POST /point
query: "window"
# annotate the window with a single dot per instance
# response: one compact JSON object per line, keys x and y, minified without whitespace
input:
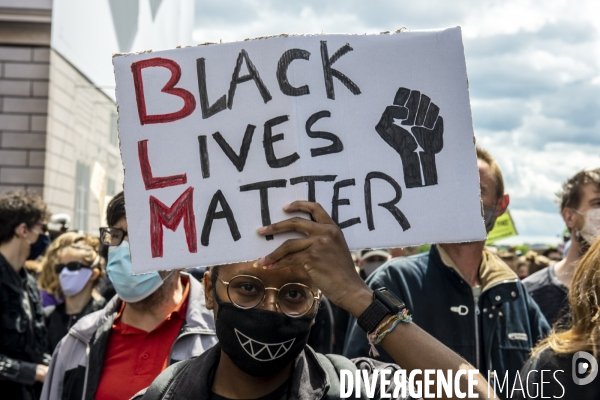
{"x":114,"y":133}
{"x":111,"y":187}
{"x":82,"y":196}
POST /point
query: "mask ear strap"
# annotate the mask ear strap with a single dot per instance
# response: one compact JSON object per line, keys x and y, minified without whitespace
{"x":577,"y":212}
{"x":168,"y":275}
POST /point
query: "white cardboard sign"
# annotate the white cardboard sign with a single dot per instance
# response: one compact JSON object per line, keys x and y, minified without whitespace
{"x":216,"y":139}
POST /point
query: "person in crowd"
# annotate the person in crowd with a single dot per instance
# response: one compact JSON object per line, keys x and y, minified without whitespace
{"x":570,"y":353}
{"x":580,"y":209}
{"x":510,"y":259}
{"x":370,"y":260}
{"x":73,"y":275}
{"x":522,"y":268}
{"x":553,"y":254}
{"x":535,"y":262}
{"x":23,"y":334}
{"x":404,"y":251}
{"x":48,"y":280}
{"x":465,"y":296}
{"x":264,"y":311}
{"x":155,"y":320}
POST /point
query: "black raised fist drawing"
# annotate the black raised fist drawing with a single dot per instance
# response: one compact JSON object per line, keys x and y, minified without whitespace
{"x":427,"y":127}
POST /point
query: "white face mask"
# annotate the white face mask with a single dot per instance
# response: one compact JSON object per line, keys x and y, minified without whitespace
{"x":591,"y":225}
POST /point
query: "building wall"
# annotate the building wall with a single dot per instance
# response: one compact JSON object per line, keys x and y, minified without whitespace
{"x":24,"y":74}
{"x":80,"y":121}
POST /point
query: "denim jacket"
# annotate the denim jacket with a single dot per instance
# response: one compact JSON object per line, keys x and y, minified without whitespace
{"x":494,"y":332}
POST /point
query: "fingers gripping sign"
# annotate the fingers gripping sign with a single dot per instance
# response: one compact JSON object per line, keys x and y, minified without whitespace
{"x":324,"y":253}
{"x":417,"y":150}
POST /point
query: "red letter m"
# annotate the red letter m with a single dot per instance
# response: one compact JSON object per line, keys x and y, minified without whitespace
{"x":161,"y":215}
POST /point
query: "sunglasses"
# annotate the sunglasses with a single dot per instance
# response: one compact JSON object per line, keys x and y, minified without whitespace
{"x":72,"y":266}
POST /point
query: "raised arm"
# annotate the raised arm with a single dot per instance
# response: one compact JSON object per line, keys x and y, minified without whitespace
{"x":324,"y":254}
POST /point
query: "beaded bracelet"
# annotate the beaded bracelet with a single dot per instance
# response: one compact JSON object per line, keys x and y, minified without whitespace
{"x":376,"y":337}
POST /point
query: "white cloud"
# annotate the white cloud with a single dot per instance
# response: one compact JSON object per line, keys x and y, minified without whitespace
{"x":534,"y":71}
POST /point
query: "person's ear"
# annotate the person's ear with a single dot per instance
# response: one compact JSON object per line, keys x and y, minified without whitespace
{"x":95,"y":274}
{"x":502,"y":205}
{"x":569,"y":216}
{"x":208,"y":291}
{"x":21,"y":230}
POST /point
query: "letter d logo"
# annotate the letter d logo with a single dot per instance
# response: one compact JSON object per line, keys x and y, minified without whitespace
{"x":580,"y":368}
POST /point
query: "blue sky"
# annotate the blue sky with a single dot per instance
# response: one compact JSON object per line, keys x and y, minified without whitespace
{"x":533,"y":66}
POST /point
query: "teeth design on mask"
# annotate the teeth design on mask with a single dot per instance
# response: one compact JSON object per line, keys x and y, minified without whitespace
{"x":263,"y":351}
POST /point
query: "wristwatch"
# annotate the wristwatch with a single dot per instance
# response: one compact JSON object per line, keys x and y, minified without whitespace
{"x":384,"y":303}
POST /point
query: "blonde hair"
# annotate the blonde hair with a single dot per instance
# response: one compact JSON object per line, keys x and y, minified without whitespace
{"x":84,"y":244}
{"x":584,"y":293}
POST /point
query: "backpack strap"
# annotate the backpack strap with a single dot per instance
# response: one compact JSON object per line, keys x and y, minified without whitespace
{"x":332,"y":364}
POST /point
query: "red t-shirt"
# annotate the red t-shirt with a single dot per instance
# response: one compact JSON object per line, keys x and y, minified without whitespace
{"x":135,"y":357}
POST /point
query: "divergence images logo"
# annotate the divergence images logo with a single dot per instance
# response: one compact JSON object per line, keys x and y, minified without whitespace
{"x":581,"y":364}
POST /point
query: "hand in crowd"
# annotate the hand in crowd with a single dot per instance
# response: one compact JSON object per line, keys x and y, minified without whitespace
{"x":41,"y":371}
{"x":323,"y":254}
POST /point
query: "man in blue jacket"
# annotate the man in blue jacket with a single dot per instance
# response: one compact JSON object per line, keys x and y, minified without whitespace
{"x":465,"y":296}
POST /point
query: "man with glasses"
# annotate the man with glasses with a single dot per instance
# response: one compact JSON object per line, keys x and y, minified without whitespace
{"x":23,"y":334}
{"x":264,"y":311}
{"x":155,"y":320}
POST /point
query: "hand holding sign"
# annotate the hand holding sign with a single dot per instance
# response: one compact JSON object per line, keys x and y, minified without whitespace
{"x":324,"y":253}
{"x":427,"y":130}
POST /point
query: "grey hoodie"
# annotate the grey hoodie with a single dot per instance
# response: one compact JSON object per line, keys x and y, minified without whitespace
{"x":77,"y":361}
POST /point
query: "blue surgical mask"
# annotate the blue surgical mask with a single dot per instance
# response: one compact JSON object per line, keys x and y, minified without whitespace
{"x":41,"y":244}
{"x":131,"y":288}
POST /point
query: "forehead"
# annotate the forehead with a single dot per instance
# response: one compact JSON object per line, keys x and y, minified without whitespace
{"x":121,"y":224}
{"x":589,"y":192}
{"x":69,"y":255}
{"x":485,"y":171}
{"x":269,"y":277}
{"x":486,"y":178}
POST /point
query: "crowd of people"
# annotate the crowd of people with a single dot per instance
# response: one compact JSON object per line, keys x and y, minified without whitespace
{"x":80,"y":325}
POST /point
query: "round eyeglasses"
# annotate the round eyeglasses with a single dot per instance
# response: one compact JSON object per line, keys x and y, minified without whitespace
{"x":293,"y":299}
{"x":112,"y":236}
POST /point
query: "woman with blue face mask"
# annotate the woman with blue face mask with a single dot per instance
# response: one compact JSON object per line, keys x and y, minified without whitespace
{"x":78,"y":271}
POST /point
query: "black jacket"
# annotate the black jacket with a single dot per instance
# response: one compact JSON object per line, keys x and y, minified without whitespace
{"x":59,"y":323}
{"x":496,"y":332}
{"x":23,"y":334}
{"x":314,"y":377}
{"x":548,"y":374}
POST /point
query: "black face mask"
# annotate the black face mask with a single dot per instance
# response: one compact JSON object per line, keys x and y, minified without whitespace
{"x":260,"y":342}
{"x":37,"y":249}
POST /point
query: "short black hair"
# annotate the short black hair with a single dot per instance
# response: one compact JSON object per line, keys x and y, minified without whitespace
{"x":17,"y":207}
{"x":115,"y":209}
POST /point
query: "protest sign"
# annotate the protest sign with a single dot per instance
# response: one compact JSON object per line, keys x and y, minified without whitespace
{"x":504,"y":227}
{"x":216,"y":139}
